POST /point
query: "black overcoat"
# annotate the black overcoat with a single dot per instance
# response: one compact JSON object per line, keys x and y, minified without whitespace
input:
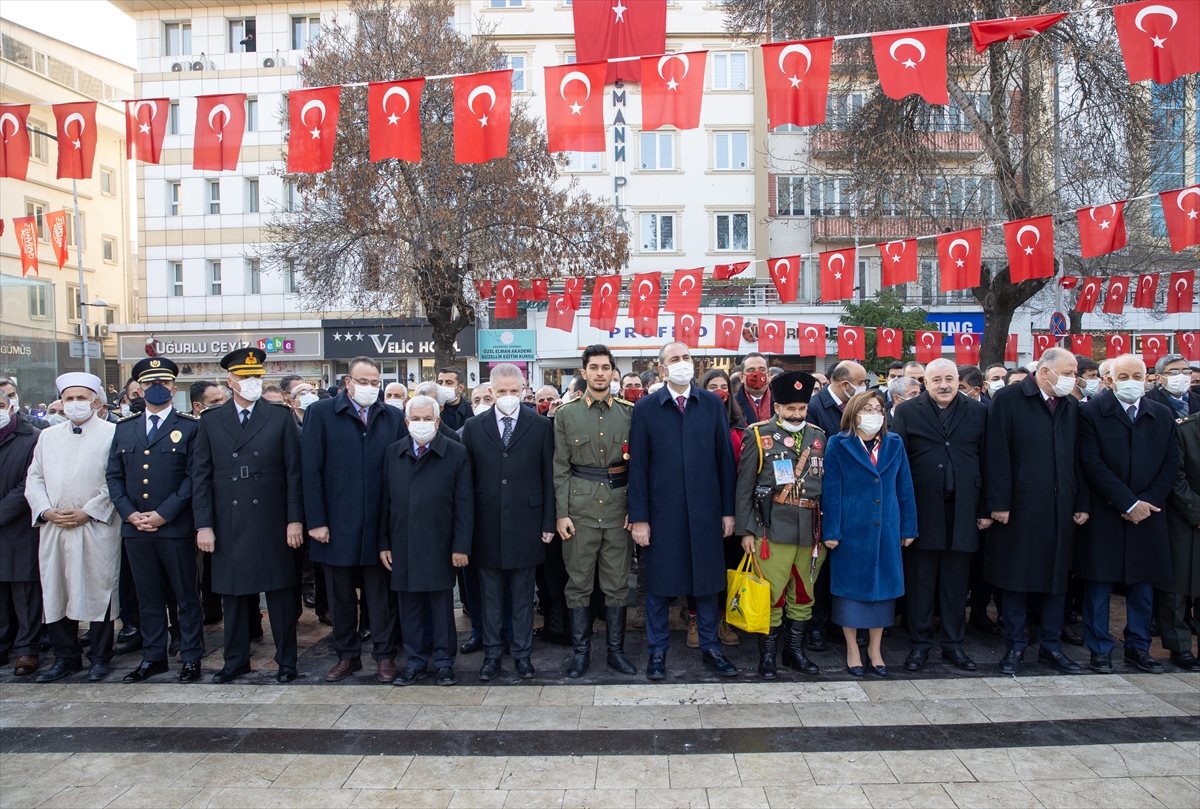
{"x":1160,"y":395}
{"x":18,"y":536}
{"x":156,"y":475}
{"x":1183,"y":514}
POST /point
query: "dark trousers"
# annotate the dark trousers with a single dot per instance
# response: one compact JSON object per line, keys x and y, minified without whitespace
{"x":1012,"y":609}
{"x":936,"y":577}
{"x":440,"y":606}
{"x":658,"y":613}
{"x":822,"y":601}
{"x":982,"y":591}
{"x":1139,"y":606}
{"x":164,"y":570}
{"x":281,"y":610}
{"x":1172,"y":619}
{"x":520,"y":584}
{"x":64,"y":634}
{"x":341,"y":582}
{"x":131,"y":611}
{"x":208,"y":599}
{"x":21,"y":617}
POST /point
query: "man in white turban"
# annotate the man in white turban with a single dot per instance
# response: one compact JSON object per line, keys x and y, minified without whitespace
{"x":80,"y":549}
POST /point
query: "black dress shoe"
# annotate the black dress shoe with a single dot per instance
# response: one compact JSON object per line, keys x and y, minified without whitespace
{"x":916,"y":659}
{"x":127,"y":633}
{"x":471,"y":645}
{"x":134,"y":644}
{"x":816,"y":640}
{"x":61,"y":668}
{"x":1101,"y":663}
{"x":147,"y":670}
{"x":656,"y":666}
{"x":229,"y":675}
{"x":1155,"y":629}
{"x":1059,"y":661}
{"x":984,"y":624}
{"x":490,"y":668}
{"x":958,"y":658}
{"x":190,"y":672}
{"x":719,"y":664}
{"x":98,"y":671}
{"x":286,"y":674}
{"x":1072,"y":637}
{"x":173,"y":647}
{"x":310,"y":600}
{"x":1143,"y":660}
{"x":1011,"y":663}
{"x":1185,"y":660}
{"x":525,"y":668}
{"x":409,"y":676}
{"x":445,"y":676}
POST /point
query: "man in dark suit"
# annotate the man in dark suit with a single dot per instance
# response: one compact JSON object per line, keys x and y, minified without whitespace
{"x":512,"y":461}
{"x":455,"y":409}
{"x":943,"y":431}
{"x":1183,"y":530}
{"x":345,"y":441}
{"x":1035,"y":491}
{"x":248,"y":504}
{"x":1130,"y":454}
{"x":1174,"y":386}
{"x":150,"y":484}
{"x":20,"y":579}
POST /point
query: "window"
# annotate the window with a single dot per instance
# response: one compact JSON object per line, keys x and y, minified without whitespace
{"x":729,"y":71}
{"x":39,"y":301}
{"x":506,"y":3}
{"x":789,"y":196}
{"x":291,"y":199}
{"x":290,"y":283}
{"x":71,"y":242}
{"x":732,"y":231}
{"x":252,"y":195}
{"x":108,"y":182}
{"x":175,"y":278}
{"x":251,"y":114}
{"x":658,"y":232}
{"x":214,"y":196}
{"x":788,"y":129}
{"x":253,"y":276}
{"x":214,"y":278}
{"x":731,"y":151}
{"x":518,"y":65}
{"x":583,"y":161}
{"x":570,"y":59}
{"x":241,"y":36}
{"x":174,"y":192}
{"x":38,"y":211}
{"x":839,"y":109}
{"x":38,"y":149}
{"x":177,"y":39}
{"x":658,"y":151}
{"x":108,"y":246}
{"x":173,"y":118}
{"x":305,"y":32}
{"x":73,"y":305}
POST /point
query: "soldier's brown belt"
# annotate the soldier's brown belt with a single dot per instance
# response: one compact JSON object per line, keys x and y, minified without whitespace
{"x":783,"y":499}
{"x":614,"y":476}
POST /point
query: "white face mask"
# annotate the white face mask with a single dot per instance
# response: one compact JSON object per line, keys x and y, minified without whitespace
{"x":1130,"y":390}
{"x":78,"y":412}
{"x":614,"y":387}
{"x":792,"y":426}
{"x":124,"y":410}
{"x":481,"y":408}
{"x":365,"y":395}
{"x":681,"y":373}
{"x":1091,"y":387}
{"x":14,"y":402}
{"x":870,"y":423}
{"x":55,"y":418}
{"x":444,"y":395}
{"x":508,"y":404}
{"x":396,"y":403}
{"x":251,"y":388}
{"x":1063,"y":386}
{"x":1178,"y":385}
{"x":995,"y":385}
{"x":306,"y":399}
{"x":422,"y":431}
{"x":5,"y":417}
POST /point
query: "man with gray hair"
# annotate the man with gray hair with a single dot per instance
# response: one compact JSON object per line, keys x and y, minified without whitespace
{"x":901,"y":389}
{"x":1174,"y":383}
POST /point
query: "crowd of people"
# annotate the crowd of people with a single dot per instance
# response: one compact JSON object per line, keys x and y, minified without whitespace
{"x":926,"y":495}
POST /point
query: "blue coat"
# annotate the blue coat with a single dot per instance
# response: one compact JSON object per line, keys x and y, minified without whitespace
{"x":681,"y":480}
{"x":868,"y":509}
{"x":344,"y":476}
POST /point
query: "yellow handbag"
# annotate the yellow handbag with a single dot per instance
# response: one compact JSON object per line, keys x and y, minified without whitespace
{"x":749,"y":605}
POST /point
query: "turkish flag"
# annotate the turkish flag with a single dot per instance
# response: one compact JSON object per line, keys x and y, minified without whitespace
{"x":482,"y":110}
{"x":1010,"y":29}
{"x":771,"y":334}
{"x":1179,"y":293}
{"x":484,"y":288}
{"x":560,"y":314}
{"x":1088,"y":294}
{"x":837,"y":275}
{"x":723,"y":272}
{"x":1101,"y":229}
{"x":928,"y":345}
{"x":1153,"y":347}
{"x":1040,"y":343}
{"x":145,"y":127}
{"x":912,"y":61}
{"x":1158,"y":39}
{"x":75,"y":126}
{"x":524,"y":294}
{"x":1147,"y":290}
{"x":812,"y":339}
{"x":507,"y":295}
{"x":785,"y":273}
{"x":889,"y":343}
{"x":966,"y":348}
{"x":25,"y":229}
{"x":573,"y":292}
{"x":1181,"y":209}
{"x":851,"y":345}
{"x":899,"y":261}
{"x":797,"y":81}
{"x":610,"y":29}
{"x":686,"y":288}
{"x":1117,"y":344}
{"x":313,"y":116}
{"x":672,"y":90}
{"x":644,"y":294}
{"x":220,"y":123}
{"x":1010,"y":348}
{"x":1030,"y":247}
{"x":1187,"y":343}
{"x":14,"y":141}
{"x":540,"y":291}
{"x":729,"y":332}
{"x":687,"y":328}
{"x":959,"y":256}
{"x":1114,"y":301}
{"x":1081,"y":344}
{"x":575,"y":107}
{"x":604,"y":302}
{"x":394,"y":119}
{"x":56,"y":228}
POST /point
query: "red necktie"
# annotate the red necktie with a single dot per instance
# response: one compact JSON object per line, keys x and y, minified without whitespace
{"x":1052,"y":403}
{"x":682,"y":402}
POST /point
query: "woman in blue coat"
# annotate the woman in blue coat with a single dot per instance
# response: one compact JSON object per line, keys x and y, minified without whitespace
{"x":870,"y":512}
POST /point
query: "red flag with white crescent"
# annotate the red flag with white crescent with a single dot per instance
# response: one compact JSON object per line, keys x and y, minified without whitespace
{"x":145,"y":128}
{"x":220,"y":124}
{"x":573,"y":292}
{"x":75,"y":126}
{"x":482,"y":113}
{"x":1158,"y":39}
{"x":1179,"y":293}
{"x":837,"y":275}
{"x":785,"y":274}
{"x":1081,"y":344}
{"x":1114,"y":299}
{"x":1030,"y":247}
{"x":14,"y":141}
{"x":728,"y":334}
{"x":959,"y":257}
{"x":912,"y":61}
{"x":899,"y":261}
{"x":1117,"y":344}
{"x":1089,"y":293}
{"x":928,"y":345}
{"x":687,"y":287}
{"x":1101,"y":229}
{"x":644,"y":292}
{"x":723,"y":272}
{"x":540,"y":291}
{"x":605,"y":292}
{"x":394,"y":119}
{"x":313,"y":116}
{"x":812,"y":339}
{"x":1153,"y":347}
{"x":796,"y":76}
{"x":1181,"y":210}
{"x":673,"y":90}
{"x":966,"y":348}
{"x":1010,"y":29}
{"x":56,"y":229}
{"x":1010,"y":348}
{"x":1147,"y":291}
{"x":1187,"y":343}
{"x":687,"y":328}
{"x":25,"y":229}
{"x":851,"y":344}
{"x":771,"y":334}
{"x":889,"y":343}
{"x":1041,"y":342}
{"x":575,"y":107}
{"x":560,"y":314}
{"x":610,"y":29}
{"x":484,"y":288}
{"x":507,"y":294}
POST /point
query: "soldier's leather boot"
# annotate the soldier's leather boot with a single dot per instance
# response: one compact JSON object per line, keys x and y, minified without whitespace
{"x":793,"y":651}
{"x":614,"y":617}
{"x":581,"y":639}
{"x":768,"y":648}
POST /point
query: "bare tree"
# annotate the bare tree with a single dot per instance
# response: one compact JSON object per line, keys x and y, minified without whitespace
{"x":387,"y":236}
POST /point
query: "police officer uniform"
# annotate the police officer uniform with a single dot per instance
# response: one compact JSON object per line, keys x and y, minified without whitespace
{"x":778,"y":504}
{"x":149,"y":473}
{"x":591,"y":475}
{"x":246,"y":488}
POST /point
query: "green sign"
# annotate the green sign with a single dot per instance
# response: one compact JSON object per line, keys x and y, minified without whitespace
{"x":507,"y":345}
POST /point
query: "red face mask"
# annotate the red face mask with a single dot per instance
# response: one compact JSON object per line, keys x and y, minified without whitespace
{"x":632,"y":394}
{"x":756,"y":380}
{"x":724,"y":394}
{"x":543,"y":408}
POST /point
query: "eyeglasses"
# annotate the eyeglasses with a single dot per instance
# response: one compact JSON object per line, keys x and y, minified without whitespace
{"x":371,"y":383}
{"x":1176,"y":372}
{"x":875,"y":409}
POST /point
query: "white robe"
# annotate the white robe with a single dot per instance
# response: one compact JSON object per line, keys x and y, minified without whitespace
{"x":80,"y":566}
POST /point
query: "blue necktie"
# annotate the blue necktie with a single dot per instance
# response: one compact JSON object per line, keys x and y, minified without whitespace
{"x":150,"y":436}
{"x":1131,"y":411}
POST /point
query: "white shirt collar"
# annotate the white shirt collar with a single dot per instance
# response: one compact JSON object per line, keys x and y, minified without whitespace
{"x":500,"y":416}
{"x":162,"y":418}
{"x":239,"y":410}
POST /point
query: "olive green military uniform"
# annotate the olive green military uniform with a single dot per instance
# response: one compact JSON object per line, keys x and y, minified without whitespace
{"x":593,"y":434}
{"x":784,"y":549}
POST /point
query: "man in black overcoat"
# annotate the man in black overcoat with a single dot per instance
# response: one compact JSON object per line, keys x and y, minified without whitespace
{"x":1183,"y":529}
{"x":1174,"y":386}
{"x":248,"y":504}
{"x":1130,"y":454}
{"x":20,"y":579}
{"x":512,"y":461}
{"x":943,"y":432}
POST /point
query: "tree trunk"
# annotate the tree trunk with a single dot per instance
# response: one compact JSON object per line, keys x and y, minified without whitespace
{"x":1000,"y":301}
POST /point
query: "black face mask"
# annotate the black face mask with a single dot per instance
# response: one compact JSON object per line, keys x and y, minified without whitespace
{"x":1196,"y":389}
{"x":137,"y":405}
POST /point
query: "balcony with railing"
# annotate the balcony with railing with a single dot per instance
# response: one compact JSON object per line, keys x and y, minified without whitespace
{"x":845,"y":229}
{"x":961,"y":144}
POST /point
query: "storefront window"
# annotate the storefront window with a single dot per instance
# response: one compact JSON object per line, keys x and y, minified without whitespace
{"x":28,"y":339}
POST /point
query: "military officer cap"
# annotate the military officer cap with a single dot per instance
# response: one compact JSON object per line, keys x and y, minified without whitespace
{"x":155,"y":369}
{"x":245,"y":362}
{"x":794,"y":387}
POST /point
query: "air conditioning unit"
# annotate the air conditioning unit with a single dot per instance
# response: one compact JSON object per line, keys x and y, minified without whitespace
{"x":197,"y":66}
{"x":178,"y":67}
{"x":269,"y":62}
{"x":100,"y":331}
